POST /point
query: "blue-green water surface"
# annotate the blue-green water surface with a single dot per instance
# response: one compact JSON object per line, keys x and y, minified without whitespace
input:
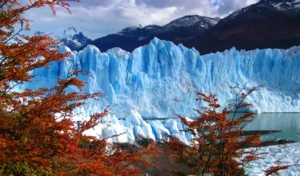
{"x":288,"y":123}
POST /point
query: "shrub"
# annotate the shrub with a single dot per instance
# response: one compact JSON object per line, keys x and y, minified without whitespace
{"x":218,"y":142}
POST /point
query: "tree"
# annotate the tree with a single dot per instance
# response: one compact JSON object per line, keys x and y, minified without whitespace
{"x":37,"y":134}
{"x":218,"y":142}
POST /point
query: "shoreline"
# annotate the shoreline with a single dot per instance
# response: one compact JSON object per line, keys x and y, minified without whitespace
{"x":269,"y":150}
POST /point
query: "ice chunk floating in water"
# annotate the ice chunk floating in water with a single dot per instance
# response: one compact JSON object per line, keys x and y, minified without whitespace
{"x":161,"y":79}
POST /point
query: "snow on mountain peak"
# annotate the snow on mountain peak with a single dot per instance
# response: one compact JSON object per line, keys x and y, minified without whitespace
{"x":38,"y":33}
{"x":289,"y":6}
{"x":128,"y":29}
{"x":74,"y":39}
{"x":152,"y":27}
{"x":284,"y":5}
{"x":186,"y":21}
{"x":192,"y":20}
{"x":70,"y":33}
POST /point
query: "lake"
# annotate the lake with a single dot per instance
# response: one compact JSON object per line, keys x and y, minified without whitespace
{"x":288,"y":123}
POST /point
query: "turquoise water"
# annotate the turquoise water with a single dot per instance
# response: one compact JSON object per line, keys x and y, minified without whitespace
{"x":288,"y":123}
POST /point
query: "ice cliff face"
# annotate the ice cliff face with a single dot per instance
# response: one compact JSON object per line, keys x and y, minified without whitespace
{"x":161,"y":79}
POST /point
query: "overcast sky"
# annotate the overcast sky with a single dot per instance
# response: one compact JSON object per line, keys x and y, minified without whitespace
{"x":96,"y":18}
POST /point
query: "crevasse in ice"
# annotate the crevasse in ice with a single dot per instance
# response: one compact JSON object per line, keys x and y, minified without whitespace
{"x":160,"y":79}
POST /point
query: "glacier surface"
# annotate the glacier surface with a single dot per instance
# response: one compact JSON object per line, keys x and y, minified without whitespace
{"x":161,"y":79}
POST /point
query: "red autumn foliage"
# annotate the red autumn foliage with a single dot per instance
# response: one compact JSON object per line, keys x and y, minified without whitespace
{"x":218,"y":139}
{"x":275,"y":169}
{"x":37,"y":134}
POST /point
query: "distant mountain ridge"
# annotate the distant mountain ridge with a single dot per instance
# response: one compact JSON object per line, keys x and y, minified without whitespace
{"x":266,"y":24}
{"x":71,"y":38}
{"x":177,"y":31}
{"x":75,"y":40}
{"x":201,"y":22}
{"x":284,"y":5}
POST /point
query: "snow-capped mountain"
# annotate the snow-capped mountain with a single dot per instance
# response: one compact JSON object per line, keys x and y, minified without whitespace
{"x":266,"y":24}
{"x":202,"y":22}
{"x":69,"y":33}
{"x":74,"y":40}
{"x":38,"y":33}
{"x":178,"y":31}
{"x":284,"y":5}
{"x":71,"y":38}
{"x":161,"y":78}
{"x":291,"y":7}
{"x":140,"y":31}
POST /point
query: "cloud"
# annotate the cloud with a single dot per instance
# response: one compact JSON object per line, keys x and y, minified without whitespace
{"x":179,"y":3}
{"x":229,"y":6}
{"x":92,"y":3}
{"x":96,"y":18}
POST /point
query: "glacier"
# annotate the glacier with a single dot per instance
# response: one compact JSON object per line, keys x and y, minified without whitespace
{"x":161,"y":79}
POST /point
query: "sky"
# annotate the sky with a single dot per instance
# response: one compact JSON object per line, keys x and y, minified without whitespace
{"x":97,"y":18}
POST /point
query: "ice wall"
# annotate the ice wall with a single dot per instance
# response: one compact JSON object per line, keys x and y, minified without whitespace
{"x":161,"y":79}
